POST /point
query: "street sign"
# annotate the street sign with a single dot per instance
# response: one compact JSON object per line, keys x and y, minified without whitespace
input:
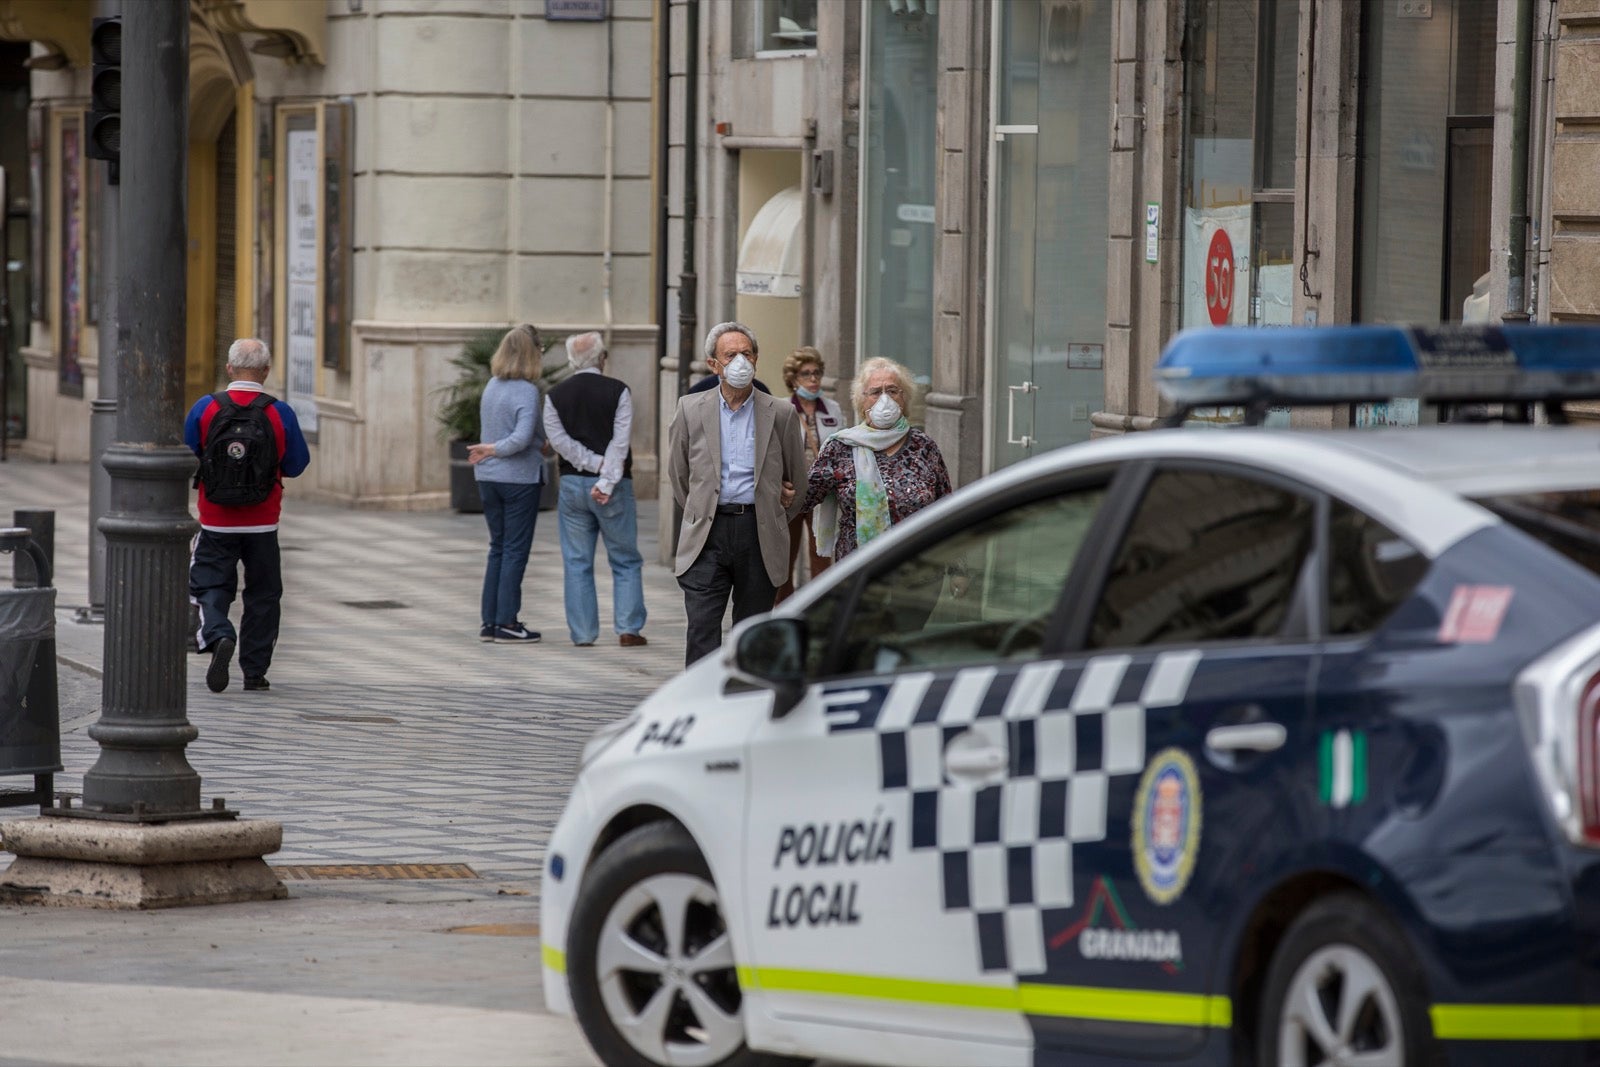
{"x":1219,"y":279}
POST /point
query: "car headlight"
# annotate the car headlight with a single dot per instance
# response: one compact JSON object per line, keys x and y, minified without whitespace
{"x":603,"y":739}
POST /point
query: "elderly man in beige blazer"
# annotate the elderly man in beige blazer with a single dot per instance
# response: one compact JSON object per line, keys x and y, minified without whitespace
{"x":736,"y":456}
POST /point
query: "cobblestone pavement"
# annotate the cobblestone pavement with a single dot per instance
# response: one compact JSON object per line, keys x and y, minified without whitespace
{"x":391,"y":733}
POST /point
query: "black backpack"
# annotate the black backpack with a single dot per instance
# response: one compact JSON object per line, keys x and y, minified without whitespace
{"x":239,"y":460}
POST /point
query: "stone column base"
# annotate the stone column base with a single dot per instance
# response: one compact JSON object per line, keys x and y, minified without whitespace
{"x":85,"y":863}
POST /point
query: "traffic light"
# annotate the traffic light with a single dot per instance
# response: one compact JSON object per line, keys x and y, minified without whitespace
{"x":105,"y":92}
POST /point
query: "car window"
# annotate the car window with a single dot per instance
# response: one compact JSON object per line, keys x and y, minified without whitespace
{"x":1568,"y":521}
{"x":1208,"y":557}
{"x":983,"y":594}
{"x":1371,"y":570}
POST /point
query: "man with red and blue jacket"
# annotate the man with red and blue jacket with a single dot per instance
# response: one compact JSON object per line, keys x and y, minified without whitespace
{"x":246,"y":533}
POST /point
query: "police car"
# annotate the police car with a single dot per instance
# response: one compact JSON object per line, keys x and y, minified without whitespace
{"x":1244,"y":746}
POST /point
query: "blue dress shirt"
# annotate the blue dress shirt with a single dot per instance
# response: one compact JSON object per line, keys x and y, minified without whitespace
{"x":738,"y":430}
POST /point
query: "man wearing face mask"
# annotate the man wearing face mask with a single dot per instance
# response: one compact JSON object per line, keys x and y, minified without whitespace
{"x":735,"y":456}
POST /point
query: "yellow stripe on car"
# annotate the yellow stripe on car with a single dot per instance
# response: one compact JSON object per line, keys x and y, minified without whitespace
{"x":1515,"y":1022}
{"x":554,"y":958}
{"x":1070,"y":1002}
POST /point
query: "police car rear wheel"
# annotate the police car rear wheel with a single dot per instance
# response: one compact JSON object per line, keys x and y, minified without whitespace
{"x":649,"y":960}
{"x":1342,"y":991}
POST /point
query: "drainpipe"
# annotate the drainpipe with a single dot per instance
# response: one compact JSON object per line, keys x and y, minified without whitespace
{"x":663,"y":202}
{"x":1517,"y":238}
{"x":611,"y":157}
{"x":688,"y":342}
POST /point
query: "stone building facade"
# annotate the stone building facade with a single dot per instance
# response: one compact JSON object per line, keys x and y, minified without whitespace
{"x":1024,"y":200}
{"x":370,"y":183}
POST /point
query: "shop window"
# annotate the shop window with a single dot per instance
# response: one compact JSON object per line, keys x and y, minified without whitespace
{"x":786,"y":25}
{"x":1424,"y":145}
{"x":1238,"y":265}
{"x":898,"y":167}
{"x":1050,"y":160}
{"x":313,"y":254}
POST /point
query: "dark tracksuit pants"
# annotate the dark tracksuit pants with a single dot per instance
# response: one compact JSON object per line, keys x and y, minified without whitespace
{"x":213,"y":579}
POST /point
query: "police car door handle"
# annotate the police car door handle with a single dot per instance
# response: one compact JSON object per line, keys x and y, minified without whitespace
{"x":1247,"y":737}
{"x":976,"y":762}
{"x":975,"y":758}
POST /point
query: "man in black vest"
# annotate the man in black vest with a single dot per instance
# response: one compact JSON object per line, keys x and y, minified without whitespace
{"x":589,"y":422}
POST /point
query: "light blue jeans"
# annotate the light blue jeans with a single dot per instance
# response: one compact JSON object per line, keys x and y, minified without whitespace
{"x":617,"y":521}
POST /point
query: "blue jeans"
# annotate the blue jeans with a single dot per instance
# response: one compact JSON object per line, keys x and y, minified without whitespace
{"x":510,"y":509}
{"x":618,"y":522}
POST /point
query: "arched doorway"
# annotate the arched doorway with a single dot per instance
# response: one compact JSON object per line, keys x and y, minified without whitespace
{"x":219,"y":76}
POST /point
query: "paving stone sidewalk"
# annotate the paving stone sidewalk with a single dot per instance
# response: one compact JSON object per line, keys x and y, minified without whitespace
{"x":391,"y":734}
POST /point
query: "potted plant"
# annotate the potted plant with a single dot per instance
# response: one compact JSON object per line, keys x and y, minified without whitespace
{"x":458,"y":415}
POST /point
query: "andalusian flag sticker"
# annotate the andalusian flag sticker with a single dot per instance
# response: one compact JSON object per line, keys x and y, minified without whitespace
{"x":1343,"y":757}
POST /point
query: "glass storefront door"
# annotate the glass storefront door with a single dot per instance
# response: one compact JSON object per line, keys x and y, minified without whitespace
{"x":1051,"y":138}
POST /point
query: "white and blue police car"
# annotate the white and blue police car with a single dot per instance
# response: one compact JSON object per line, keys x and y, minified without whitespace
{"x":1252,"y":746}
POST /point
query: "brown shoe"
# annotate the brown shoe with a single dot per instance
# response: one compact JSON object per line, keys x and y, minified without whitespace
{"x":632,"y":640}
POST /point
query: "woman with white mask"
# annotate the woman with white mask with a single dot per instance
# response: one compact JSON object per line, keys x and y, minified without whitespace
{"x":820,"y":419}
{"x":870,"y":476}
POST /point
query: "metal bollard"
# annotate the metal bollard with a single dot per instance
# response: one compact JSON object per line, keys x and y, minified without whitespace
{"x":41,"y":525}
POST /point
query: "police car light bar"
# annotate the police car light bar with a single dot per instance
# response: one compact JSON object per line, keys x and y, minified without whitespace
{"x":1285,"y":366}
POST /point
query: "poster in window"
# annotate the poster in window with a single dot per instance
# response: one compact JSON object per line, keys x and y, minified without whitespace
{"x":301,"y":222}
{"x":266,"y":220}
{"x":37,"y":215}
{"x":70,"y":307}
{"x":336,"y":155}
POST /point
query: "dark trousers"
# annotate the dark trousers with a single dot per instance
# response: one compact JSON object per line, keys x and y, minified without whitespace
{"x":729,"y":563}
{"x":213,"y":579}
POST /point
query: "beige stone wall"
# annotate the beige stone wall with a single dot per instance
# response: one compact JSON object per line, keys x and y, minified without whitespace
{"x":1574,"y":268}
{"x":480,"y":198}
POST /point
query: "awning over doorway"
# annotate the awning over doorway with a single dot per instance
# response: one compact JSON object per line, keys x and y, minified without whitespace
{"x":770,"y":256}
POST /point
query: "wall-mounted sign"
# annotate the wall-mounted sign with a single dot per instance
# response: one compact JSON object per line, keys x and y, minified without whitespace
{"x":575,"y":10}
{"x":1152,"y":231}
{"x":1086,"y":357}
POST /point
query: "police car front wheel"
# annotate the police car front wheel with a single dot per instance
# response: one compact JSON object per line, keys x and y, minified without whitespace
{"x":649,"y":960}
{"x":1342,"y":991}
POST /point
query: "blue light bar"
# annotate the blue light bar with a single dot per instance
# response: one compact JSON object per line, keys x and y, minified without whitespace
{"x":1356,"y":364}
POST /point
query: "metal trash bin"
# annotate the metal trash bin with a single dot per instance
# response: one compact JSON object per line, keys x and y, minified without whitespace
{"x":30,"y":720}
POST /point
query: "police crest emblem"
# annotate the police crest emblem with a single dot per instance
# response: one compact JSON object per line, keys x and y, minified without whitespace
{"x":1166,"y":825}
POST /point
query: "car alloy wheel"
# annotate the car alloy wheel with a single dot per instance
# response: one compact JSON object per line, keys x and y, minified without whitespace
{"x":1344,"y":989}
{"x":1340,"y":1011}
{"x":666,"y":974}
{"x":649,"y":962}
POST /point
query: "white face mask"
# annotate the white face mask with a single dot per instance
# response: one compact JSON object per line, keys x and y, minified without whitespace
{"x":740,"y":373}
{"x":885,"y":413}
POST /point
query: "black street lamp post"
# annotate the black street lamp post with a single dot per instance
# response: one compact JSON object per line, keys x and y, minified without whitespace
{"x":143,"y":727}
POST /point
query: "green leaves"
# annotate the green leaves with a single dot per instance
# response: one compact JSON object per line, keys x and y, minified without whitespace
{"x":458,"y":407}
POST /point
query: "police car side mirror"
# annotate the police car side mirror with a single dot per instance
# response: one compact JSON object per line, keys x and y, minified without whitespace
{"x":770,"y":652}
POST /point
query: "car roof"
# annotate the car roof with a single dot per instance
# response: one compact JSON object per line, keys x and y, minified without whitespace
{"x":1483,"y":460}
{"x":1415,"y":481}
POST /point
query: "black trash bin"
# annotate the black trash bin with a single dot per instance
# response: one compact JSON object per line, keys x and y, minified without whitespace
{"x":30,"y":722}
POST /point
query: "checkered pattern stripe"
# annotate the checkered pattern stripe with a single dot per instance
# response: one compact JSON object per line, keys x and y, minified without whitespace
{"x":1005,"y":850}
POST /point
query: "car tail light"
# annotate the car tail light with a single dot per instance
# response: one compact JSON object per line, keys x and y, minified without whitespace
{"x":1558,"y":703}
{"x":1588,"y":731}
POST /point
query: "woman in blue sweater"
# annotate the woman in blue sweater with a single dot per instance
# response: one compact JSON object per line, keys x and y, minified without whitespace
{"x":509,"y":467}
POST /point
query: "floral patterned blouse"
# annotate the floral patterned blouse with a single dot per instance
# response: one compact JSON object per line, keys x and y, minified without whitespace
{"x":915,"y":477}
